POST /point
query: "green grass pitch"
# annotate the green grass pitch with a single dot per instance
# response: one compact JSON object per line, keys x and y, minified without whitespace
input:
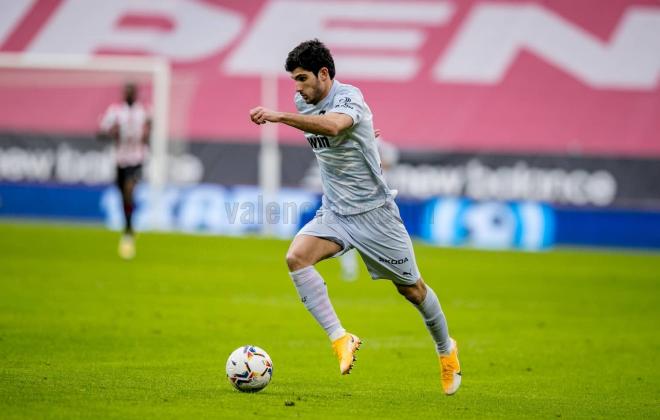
{"x":571,"y":334}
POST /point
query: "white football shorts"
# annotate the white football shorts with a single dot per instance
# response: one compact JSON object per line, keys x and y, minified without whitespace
{"x":378,"y":235}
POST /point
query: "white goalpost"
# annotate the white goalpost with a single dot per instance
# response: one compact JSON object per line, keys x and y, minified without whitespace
{"x":269,"y":153}
{"x":156,"y":69}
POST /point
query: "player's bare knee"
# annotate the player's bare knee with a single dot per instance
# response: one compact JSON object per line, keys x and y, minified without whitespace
{"x":296,"y":260}
{"x":408,"y":292}
{"x":415,"y":293}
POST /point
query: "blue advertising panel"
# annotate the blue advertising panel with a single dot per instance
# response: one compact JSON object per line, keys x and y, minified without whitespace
{"x":608,"y":228}
{"x":240,"y":210}
{"x":489,"y":225}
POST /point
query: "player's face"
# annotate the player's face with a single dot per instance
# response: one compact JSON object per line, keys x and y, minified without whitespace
{"x":130,"y":94}
{"x":308,"y":85}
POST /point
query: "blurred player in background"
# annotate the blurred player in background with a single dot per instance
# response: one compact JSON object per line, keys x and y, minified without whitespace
{"x":128,"y":124}
{"x":358,"y":209}
{"x":389,"y":156}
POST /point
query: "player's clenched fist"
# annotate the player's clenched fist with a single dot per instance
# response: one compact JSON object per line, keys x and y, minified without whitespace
{"x":261,"y":115}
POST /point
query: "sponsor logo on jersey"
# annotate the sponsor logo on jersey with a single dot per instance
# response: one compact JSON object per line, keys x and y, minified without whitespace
{"x":318,"y":142}
{"x":344,"y":103}
{"x":393,"y":260}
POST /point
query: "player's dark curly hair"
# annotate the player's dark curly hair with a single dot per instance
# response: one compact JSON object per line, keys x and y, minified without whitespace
{"x":312,"y":56}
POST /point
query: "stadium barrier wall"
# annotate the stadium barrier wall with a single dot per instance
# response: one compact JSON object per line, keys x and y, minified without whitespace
{"x":515,"y":165}
{"x":574,"y":181}
{"x":240,"y":210}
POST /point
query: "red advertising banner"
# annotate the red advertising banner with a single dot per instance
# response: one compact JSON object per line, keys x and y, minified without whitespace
{"x":577,"y":77}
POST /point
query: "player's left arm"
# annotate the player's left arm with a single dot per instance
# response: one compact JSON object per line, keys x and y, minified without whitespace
{"x":330,"y":124}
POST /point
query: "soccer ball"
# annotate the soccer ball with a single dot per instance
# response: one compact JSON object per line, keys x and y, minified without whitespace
{"x":249,"y":369}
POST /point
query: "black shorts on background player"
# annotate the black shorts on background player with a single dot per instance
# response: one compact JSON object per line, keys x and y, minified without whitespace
{"x":133,"y":173}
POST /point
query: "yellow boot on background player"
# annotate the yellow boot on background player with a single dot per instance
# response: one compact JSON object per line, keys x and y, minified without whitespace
{"x":345,"y":348}
{"x":450,"y":370}
{"x":127,"y":247}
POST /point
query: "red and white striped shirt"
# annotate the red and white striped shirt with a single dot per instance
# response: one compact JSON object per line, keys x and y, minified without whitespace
{"x":132,"y":123}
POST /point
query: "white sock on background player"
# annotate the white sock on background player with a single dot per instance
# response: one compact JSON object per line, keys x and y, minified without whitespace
{"x":435,"y":321}
{"x":314,"y":294}
{"x":349,"y":265}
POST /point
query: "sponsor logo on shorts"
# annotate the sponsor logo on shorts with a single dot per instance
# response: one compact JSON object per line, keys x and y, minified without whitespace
{"x":393,"y":260}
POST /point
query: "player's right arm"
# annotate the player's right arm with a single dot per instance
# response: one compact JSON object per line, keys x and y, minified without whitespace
{"x":111,"y":134}
{"x":330,"y":124}
{"x":109,"y":126}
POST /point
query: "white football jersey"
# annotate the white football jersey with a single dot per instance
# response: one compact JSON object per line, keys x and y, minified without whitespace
{"x":132,"y":122}
{"x":351,"y":174}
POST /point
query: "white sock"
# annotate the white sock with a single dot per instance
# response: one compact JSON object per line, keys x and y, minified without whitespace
{"x":314,"y":295}
{"x":435,"y":321}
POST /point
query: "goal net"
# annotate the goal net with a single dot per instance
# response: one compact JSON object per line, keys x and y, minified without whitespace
{"x":63,"y":97}
{"x":50,"y":110}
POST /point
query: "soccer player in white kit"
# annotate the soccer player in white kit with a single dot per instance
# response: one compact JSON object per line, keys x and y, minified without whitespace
{"x":358,"y":210}
{"x":129,"y":125}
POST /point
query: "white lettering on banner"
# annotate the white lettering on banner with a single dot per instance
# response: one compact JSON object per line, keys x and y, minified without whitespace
{"x":83,"y":26}
{"x":18,"y":164}
{"x":495,"y":34}
{"x":210,"y":209}
{"x":69,"y":165}
{"x":373,"y":41}
{"x":265,"y":49}
{"x":88,"y":167}
{"x":517,"y":182}
{"x":11,"y":15}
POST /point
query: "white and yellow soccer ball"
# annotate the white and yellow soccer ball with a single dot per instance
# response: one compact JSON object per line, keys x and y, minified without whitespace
{"x":249,"y":368}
